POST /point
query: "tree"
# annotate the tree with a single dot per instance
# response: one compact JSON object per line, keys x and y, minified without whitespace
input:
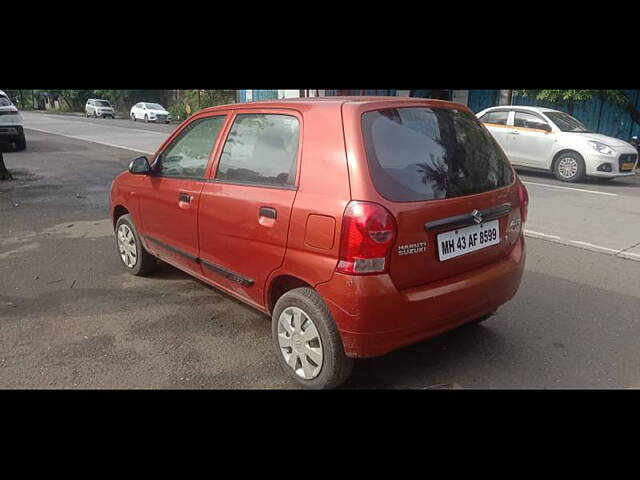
{"x":4,"y":173}
{"x":618,"y":98}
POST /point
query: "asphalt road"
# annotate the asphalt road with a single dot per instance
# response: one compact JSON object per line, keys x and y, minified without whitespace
{"x":70,"y":317}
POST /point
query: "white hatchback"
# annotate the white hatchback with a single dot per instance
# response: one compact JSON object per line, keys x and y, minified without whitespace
{"x":150,"y":112}
{"x":542,"y":138}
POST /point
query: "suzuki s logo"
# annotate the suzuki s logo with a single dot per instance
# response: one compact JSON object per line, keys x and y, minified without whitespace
{"x":476,"y":216}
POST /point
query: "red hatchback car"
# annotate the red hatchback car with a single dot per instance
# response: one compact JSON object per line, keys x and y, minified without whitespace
{"x":359,"y":224}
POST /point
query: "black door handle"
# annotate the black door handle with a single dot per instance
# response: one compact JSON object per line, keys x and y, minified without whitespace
{"x":268,"y":212}
{"x":185,"y":197}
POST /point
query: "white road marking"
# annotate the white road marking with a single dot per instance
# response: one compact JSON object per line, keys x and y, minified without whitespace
{"x":109,"y":125}
{"x":91,"y":140}
{"x":570,"y":188}
{"x":531,"y":233}
{"x":597,"y":247}
{"x":584,"y":245}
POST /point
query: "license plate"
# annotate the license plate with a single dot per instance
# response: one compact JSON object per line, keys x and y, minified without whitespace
{"x":469,"y":239}
{"x":627,"y":165}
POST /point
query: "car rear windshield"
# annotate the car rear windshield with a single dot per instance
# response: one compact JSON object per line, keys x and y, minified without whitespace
{"x":418,"y":154}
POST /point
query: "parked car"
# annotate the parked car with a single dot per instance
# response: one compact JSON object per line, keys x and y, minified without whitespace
{"x":99,"y":108}
{"x":150,"y":112}
{"x":11,"y":123}
{"x":359,"y":225}
{"x":546,"y":139}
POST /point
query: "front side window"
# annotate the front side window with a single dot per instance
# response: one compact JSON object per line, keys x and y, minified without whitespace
{"x":566,"y":122}
{"x":529,"y":120}
{"x":261,"y":149}
{"x":189,"y":154}
{"x":495,"y":118}
{"x":418,"y":154}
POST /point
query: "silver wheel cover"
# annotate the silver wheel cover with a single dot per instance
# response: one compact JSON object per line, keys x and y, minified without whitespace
{"x":300,"y":343}
{"x":567,"y":167}
{"x":127,"y":246}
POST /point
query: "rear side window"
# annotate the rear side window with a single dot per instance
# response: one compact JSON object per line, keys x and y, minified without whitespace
{"x":261,"y":149}
{"x":418,"y":154}
{"x":495,"y":118}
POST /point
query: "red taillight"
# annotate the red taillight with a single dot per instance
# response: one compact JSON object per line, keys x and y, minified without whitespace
{"x":523,"y":195}
{"x":368,"y":233}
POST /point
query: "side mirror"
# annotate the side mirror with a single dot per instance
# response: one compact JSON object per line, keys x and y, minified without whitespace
{"x":140,"y":166}
{"x":546,"y":127}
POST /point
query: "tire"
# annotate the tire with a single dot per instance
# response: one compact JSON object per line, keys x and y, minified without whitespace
{"x":334,"y":366}
{"x":21,"y":144}
{"x":146,"y":119}
{"x":167,"y":123}
{"x":133,"y":117}
{"x":95,"y":115}
{"x":144,"y":262}
{"x":569,"y":167}
{"x":86,"y":113}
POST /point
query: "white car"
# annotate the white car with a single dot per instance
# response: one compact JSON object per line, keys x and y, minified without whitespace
{"x":150,"y":112}
{"x":542,"y":138}
{"x":11,"y":124}
{"x":99,"y":108}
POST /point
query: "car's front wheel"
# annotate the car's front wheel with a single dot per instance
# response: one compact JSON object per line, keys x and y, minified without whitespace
{"x":133,"y":117}
{"x":146,"y":119}
{"x":569,"y":167}
{"x":135,"y":258}
{"x":307,"y":342}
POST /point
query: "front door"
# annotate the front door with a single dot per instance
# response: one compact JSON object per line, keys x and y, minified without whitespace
{"x":530,"y":140}
{"x":170,"y":198}
{"x":246,"y":207}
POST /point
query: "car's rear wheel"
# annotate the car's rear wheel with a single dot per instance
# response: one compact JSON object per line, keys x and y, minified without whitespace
{"x":134,"y":257}
{"x":307,"y":342}
{"x":569,"y":167}
{"x":21,"y":144}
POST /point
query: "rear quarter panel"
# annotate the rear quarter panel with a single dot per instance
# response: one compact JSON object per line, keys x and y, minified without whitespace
{"x":324,"y":191}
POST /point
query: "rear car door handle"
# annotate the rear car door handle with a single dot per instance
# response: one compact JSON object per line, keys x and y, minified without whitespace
{"x":268,"y":212}
{"x":185,"y":197}
{"x":514,"y":132}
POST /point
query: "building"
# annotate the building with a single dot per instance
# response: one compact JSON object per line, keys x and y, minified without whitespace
{"x":598,"y":116}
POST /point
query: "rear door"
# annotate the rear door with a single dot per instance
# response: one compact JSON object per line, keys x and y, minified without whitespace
{"x":439,"y":172}
{"x":245,"y":207}
{"x":496,"y":123}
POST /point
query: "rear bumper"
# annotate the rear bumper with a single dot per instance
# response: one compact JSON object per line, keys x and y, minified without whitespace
{"x":374,"y":318}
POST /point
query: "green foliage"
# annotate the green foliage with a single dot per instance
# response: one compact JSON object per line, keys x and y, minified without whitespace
{"x":615,"y":97}
{"x":190,"y":102}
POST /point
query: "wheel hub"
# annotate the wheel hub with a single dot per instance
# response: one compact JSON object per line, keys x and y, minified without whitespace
{"x":127,"y":246}
{"x":300,"y":343}
{"x":567,"y":167}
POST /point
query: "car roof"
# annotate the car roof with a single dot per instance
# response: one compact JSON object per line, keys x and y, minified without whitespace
{"x":335,"y":101}
{"x":521,"y":107}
